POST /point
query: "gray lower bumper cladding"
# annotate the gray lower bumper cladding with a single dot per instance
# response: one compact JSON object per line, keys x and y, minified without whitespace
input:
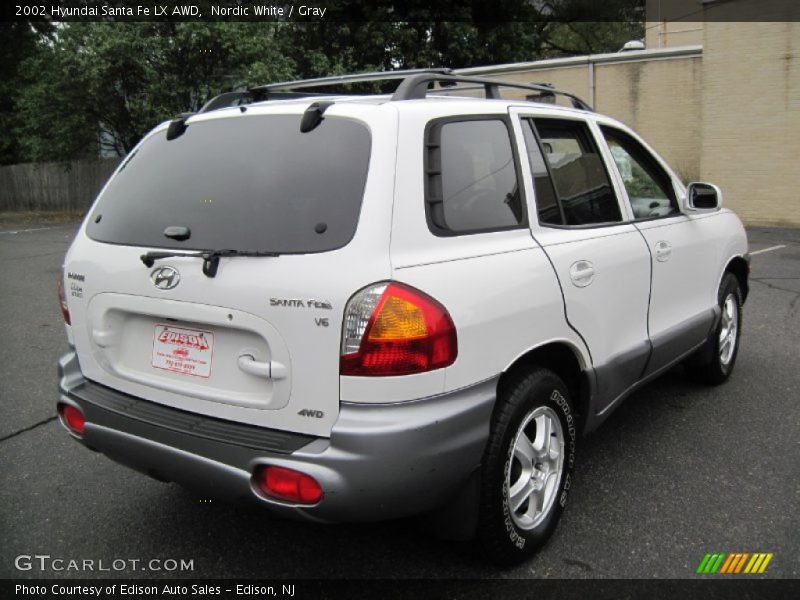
{"x":381,"y":461}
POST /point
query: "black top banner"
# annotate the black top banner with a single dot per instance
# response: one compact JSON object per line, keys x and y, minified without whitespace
{"x":354,"y":11}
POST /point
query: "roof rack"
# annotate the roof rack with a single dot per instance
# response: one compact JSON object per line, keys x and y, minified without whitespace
{"x":414,"y":85}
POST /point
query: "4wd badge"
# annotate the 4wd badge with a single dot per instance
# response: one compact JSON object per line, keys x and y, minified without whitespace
{"x":307,"y":412}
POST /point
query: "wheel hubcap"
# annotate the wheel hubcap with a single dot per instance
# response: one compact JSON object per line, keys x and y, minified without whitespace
{"x":536,"y":463}
{"x":728,"y":329}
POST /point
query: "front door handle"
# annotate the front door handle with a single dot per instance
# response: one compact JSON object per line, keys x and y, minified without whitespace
{"x":581,"y":273}
{"x":663,"y":251}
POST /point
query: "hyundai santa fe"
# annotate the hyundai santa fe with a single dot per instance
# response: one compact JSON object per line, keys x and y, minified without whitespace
{"x":363,"y":307}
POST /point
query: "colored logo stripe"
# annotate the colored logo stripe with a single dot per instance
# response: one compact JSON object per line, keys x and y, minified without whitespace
{"x":734,"y":562}
{"x":758,"y":563}
{"x":711,"y":563}
{"x":732,"y":558}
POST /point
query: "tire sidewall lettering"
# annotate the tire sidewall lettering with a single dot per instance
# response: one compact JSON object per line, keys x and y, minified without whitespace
{"x":515,"y":537}
{"x":559,"y":400}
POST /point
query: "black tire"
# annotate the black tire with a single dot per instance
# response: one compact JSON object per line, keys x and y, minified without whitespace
{"x":707,"y":365}
{"x":502,"y":539}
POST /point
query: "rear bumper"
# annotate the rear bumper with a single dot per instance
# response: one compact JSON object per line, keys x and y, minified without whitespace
{"x":381,"y":461}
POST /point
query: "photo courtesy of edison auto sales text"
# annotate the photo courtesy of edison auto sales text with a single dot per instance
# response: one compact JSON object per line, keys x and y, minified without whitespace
{"x":138,"y":591}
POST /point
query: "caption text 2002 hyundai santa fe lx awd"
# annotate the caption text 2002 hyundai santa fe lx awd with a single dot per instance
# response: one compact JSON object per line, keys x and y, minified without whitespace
{"x":353,"y":308}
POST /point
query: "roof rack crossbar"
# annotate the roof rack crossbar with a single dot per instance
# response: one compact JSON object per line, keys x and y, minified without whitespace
{"x":354,"y":78}
{"x":416,"y":87}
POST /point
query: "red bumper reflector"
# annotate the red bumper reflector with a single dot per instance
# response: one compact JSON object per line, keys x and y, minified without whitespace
{"x":287,"y":484}
{"x":73,"y":418}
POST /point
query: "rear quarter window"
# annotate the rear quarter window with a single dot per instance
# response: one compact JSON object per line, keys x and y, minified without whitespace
{"x":472,"y":177}
{"x":243,"y":183}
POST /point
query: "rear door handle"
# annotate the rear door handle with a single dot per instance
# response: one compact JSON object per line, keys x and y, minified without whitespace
{"x":268,"y":369}
{"x":663,"y":251}
{"x":581,"y":273}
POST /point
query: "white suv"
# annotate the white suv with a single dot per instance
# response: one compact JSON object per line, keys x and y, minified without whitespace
{"x":353,"y":308}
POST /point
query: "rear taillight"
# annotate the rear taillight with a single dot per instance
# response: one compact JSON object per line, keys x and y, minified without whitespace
{"x":394,"y":329}
{"x":72,"y":418}
{"x":288,"y":484}
{"x":62,"y":298}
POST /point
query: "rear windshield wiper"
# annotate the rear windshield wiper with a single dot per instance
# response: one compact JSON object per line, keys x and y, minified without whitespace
{"x":210,"y":257}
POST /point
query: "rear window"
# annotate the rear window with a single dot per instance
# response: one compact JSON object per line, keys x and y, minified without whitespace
{"x":242,"y":183}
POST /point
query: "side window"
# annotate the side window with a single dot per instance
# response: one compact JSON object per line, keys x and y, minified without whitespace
{"x":649,"y":187}
{"x":547,"y":205}
{"x":472,"y":183}
{"x":579,"y":176}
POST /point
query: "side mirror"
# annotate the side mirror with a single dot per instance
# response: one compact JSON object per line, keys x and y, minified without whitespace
{"x":703,"y":197}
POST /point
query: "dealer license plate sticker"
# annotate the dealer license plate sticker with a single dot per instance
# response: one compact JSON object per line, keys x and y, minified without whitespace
{"x":184,"y":351}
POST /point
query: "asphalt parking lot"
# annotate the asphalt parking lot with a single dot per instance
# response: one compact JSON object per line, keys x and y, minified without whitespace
{"x":678,"y":471}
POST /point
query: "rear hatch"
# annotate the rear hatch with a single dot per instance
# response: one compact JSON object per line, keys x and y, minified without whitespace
{"x":258,"y":342}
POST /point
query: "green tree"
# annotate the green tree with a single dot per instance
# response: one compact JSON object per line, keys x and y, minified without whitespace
{"x":101,"y":86}
{"x":20,"y":40}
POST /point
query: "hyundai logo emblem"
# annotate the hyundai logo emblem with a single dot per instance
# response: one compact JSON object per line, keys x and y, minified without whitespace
{"x":165,"y":278}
